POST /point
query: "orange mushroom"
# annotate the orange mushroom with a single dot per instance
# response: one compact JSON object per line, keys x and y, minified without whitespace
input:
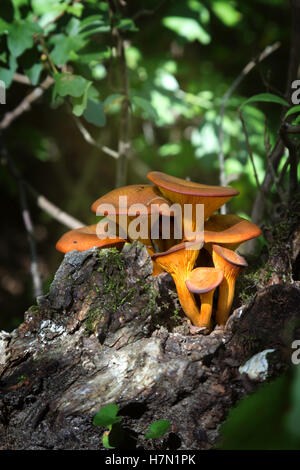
{"x":231,"y":264}
{"x":229,"y":229}
{"x":179,"y":262}
{"x":185,"y":192}
{"x":85,"y":238}
{"x":128,"y":202}
{"x":204,"y":281}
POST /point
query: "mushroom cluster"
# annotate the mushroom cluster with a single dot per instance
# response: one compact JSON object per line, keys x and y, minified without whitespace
{"x":199,"y":265}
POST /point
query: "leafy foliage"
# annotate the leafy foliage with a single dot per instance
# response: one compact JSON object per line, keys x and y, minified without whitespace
{"x":269,"y":418}
{"x":107,"y":417}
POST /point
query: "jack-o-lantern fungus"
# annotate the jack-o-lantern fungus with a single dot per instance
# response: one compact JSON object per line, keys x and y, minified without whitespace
{"x":230,"y":230}
{"x":179,"y":262}
{"x":204,"y":281}
{"x":185,"y":192}
{"x":231,"y":264}
{"x":137,"y":202}
{"x":85,"y":238}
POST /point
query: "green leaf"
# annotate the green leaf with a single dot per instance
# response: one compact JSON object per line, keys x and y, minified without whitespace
{"x":41,"y":7}
{"x":293,"y":110}
{"x":265,"y":98}
{"x":105,"y":441}
{"x":6,"y":75}
{"x":68,"y":84}
{"x":189,"y":28}
{"x":34,"y":73}
{"x":293,"y":416}
{"x":157,"y":429}
{"x":107,"y":416}
{"x":3,"y":57}
{"x":4,"y":27}
{"x":20,"y":36}
{"x":113,"y":99}
{"x":64,"y":46}
{"x":94,"y":113}
{"x":76,"y":9}
{"x":146,"y":106}
{"x":126,"y":24}
{"x":80,"y":104}
{"x":226,"y":12}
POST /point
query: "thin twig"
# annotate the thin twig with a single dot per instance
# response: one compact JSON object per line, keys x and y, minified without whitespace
{"x":54,"y":211}
{"x":90,"y":140}
{"x":35,"y":274}
{"x":26,"y":103}
{"x":124,"y":143}
{"x":18,"y":77}
{"x":293,"y":158}
{"x":249,"y":148}
{"x":41,"y":201}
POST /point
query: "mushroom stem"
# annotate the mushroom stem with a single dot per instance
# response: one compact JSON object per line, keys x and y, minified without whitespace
{"x":206,"y":308}
{"x":187,"y":302}
{"x":231,"y":264}
{"x":226,"y":296}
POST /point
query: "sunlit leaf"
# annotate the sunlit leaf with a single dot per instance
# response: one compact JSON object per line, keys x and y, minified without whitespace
{"x":189,"y":28}
{"x":170,"y":149}
{"x":266,"y":98}
{"x":226,"y":12}
{"x":293,"y":110}
{"x":76,"y":9}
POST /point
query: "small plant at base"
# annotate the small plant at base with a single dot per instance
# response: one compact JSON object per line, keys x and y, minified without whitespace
{"x":107,"y":417}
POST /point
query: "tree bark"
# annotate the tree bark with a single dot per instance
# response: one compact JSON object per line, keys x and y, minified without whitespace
{"x":110,"y":332}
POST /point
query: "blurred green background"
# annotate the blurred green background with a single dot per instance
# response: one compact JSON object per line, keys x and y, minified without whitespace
{"x":181,"y":60}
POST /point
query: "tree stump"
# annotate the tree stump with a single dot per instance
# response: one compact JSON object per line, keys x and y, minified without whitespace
{"x":110,"y":332}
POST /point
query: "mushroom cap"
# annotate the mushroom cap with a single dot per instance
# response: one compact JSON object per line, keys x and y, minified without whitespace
{"x":192,"y":245}
{"x":202,"y":280}
{"x":145,"y":194}
{"x":230,"y":256}
{"x":85,"y":238}
{"x":179,"y":185}
{"x":184,"y":192}
{"x":229,"y":228}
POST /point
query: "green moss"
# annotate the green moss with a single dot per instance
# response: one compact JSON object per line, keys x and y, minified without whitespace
{"x":34,"y":309}
{"x":176,"y":317}
{"x":22,"y":379}
{"x":94,"y":317}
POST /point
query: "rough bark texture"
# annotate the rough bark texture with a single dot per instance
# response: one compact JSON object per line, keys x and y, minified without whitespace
{"x":109,"y":332}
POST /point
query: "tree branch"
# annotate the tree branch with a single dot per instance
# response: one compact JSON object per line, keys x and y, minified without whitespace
{"x":26,"y":103}
{"x":90,"y":140}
